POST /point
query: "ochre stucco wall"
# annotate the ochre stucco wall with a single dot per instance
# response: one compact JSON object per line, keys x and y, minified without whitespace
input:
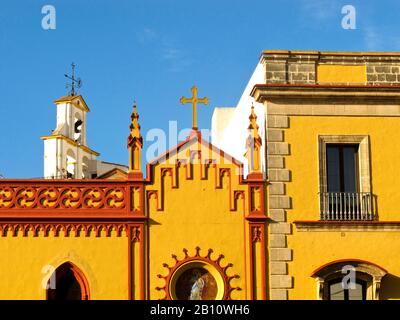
{"x":302,"y":135}
{"x":196,"y":213}
{"x":312,"y":249}
{"x":103,"y":260}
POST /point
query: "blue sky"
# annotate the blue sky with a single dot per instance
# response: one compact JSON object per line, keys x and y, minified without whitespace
{"x":154,"y":51}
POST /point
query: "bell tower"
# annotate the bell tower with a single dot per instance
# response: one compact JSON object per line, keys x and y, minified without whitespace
{"x":66,"y":153}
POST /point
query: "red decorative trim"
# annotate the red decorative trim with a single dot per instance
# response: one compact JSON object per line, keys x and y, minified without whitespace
{"x":50,"y":197}
{"x":136,"y":236}
{"x":256,"y":192}
{"x":238,"y":195}
{"x":149,"y":195}
{"x":315,"y":272}
{"x":192,"y":137}
{"x":68,"y":228}
{"x":257,"y":234}
{"x":197,"y":257}
{"x":135,"y":176}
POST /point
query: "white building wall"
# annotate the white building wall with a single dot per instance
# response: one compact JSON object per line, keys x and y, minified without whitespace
{"x":229,"y":128}
{"x":50,"y":159}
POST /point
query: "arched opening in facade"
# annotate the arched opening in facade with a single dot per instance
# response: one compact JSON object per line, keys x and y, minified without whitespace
{"x":67,"y":283}
{"x":71,"y":164}
{"x":78,"y":127}
{"x":349,"y":279}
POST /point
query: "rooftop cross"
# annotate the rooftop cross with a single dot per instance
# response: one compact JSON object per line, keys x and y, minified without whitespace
{"x":194,"y":100}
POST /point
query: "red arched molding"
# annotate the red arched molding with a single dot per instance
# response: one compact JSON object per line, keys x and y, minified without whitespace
{"x":79,"y":276}
{"x":317,"y":271}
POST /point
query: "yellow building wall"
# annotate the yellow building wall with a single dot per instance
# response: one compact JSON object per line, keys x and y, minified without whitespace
{"x":197,"y":214}
{"x":327,"y":73}
{"x":312,"y":249}
{"x":27,"y":261}
{"x":303,"y":160}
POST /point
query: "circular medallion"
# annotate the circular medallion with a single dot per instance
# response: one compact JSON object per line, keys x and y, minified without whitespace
{"x":195,"y":282}
{"x":197,"y":278}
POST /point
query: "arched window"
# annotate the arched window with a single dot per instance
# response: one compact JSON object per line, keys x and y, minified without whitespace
{"x":69,"y":284}
{"x":349,"y":279}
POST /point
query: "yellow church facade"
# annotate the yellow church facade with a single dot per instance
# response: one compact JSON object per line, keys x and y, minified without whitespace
{"x":312,"y":214}
{"x":135,"y":237}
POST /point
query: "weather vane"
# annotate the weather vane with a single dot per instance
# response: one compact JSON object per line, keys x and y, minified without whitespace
{"x":74,"y":82}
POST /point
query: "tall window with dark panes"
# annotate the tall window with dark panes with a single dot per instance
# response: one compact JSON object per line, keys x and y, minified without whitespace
{"x":342,"y":181}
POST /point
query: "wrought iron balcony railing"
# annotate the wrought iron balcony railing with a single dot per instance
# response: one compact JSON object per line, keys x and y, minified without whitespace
{"x":346,"y":206}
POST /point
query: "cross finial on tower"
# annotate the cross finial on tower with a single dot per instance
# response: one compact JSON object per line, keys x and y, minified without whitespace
{"x":194,"y":100}
{"x":74,"y":82}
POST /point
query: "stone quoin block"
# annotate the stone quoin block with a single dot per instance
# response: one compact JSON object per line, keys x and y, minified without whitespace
{"x":281,"y":281}
{"x":279,"y":294}
{"x":278,"y":268}
{"x":278,"y":215}
{"x":275,"y":162}
{"x":280,"y":254}
{"x":277,"y":188}
{"x":274,"y":135}
{"x":280,"y":228}
{"x":277,"y":121}
{"x":277,"y":241}
{"x":278,"y":148}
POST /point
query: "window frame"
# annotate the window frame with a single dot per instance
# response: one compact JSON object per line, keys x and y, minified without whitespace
{"x":361,"y":279}
{"x":364,"y":171}
{"x":370,"y":273}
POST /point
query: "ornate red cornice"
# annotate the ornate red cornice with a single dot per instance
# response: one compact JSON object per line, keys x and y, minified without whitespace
{"x":77,"y":206}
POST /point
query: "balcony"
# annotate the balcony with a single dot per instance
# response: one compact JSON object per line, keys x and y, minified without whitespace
{"x":346,"y":206}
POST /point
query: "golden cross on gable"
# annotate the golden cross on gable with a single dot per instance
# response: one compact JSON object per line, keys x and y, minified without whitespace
{"x":194,"y":100}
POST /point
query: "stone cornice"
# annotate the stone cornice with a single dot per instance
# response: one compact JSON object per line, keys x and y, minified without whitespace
{"x":262,"y":92}
{"x":329,"y":56}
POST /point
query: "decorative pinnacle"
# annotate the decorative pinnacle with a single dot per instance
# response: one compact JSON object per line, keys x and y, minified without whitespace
{"x":253,"y":127}
{"x":134,"y":128}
